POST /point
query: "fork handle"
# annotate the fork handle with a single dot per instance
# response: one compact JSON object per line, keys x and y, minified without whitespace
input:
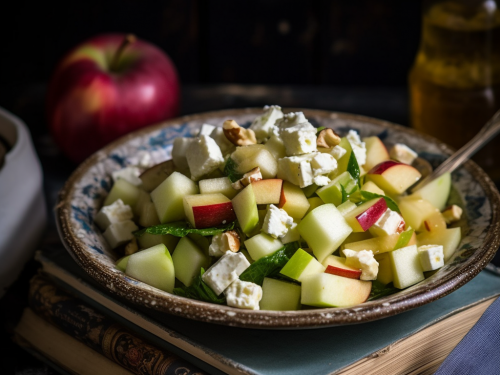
{"x":486,"y":134}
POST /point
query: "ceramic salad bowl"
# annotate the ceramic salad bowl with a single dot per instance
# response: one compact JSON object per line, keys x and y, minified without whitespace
{"x":84,"y":192}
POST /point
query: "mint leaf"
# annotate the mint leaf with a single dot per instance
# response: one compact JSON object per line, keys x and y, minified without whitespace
{"x":404,"y":238}
{"x":270,"y":265}
{"x":320,"y":129}
{"x":344,"y":193}
{"x":353,"y":168}
{"x":366,"y":195}
{"x":380,"y":290}
{"x":182,"y":229}
{"x":230,"y":170}
{"x":200,"y":291}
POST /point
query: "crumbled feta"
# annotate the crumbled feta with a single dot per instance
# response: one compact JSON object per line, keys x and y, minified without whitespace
{"x":220,"y":138}
{"x":203,"y":156}
{"x":206,"y":129}
{"x":113,"y":213}
{"x":291,"y":119}
{"x":358,"y":147}
{"x":364,"y":261}
{"x":299,"y":139}
{"x":323,"y":163}
{"x":321,"y":180}
{"x":296,"y":169}
{"x":244,"y":295}
{"x":120,"y":233}
{"x":141,"y":160}
{"x":179,"y":150}
{"x":277,"y":222}
{"x":402,"y":153}
{"x":431,"y":257}
{"x":263,"y":125}
{"x":389,"y":223}
{"x":129,"y":174}
{"x":292,"y":234}
{"x":337,"y":152}
{"x":226,"y":270}
{"x":223,"y":242}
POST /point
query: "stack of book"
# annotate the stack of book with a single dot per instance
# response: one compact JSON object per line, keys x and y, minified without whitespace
{"x":79,"y":329}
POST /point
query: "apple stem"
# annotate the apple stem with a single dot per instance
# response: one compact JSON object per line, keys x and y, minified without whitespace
{"x":127,"y":40}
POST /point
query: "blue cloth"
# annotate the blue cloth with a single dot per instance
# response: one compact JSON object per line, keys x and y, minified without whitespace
{"x":479,"y":351}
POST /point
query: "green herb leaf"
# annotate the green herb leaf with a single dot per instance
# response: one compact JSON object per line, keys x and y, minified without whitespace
{"x":353,"y":168}
{"x":366,"y":195}
{"x":230,"y":170}
{"x":320,"y":129}
{"x":344,"y":193}
{"x":381,"y":290}
{"x":200,"y":291}
{"x":270,"y":265}
{"x":182,"y":229}
{"x":404,"y":238}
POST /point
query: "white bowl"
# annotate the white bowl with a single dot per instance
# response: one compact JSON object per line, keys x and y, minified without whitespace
{"x":23,"y":213}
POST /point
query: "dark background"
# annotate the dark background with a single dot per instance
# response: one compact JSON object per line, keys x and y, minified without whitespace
{"x":341,"y":44}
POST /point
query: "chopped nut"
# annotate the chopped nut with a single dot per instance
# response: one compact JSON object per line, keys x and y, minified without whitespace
{"x":131,"y":247}
{"x":452,"y":214}
{"x":231,"y":240}
{"x":248,"y":178}
{"x":237,"y":135}
{"x":327,"y":138}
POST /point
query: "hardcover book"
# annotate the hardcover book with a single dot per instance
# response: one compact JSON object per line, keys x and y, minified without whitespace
{"x":416,"y":341}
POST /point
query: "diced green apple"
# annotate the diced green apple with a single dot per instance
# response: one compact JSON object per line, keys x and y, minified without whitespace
{"x":327,"y":290}
{"x":276,"y":147}
{"x":379,"y":244}
{"x":168,"y":197}
{"x":406,"y":267}
{"x":249,"y":157}
{"x":332,"y":193}
{"x":124,"y":190}
{"x":279,"y":295}
{"x":121,"y":263}
{"x":148,"y":216}
{"x":188,"y":260}
{"x":415,"y":211}
{"x":315,"y":202}
{"x":324,"y":229}
{"x":344,"y":160}
{"x":346,"y":207}
{"x":155,"y":175}
{"x":218,"y":185}
{"x":148,"y":240}
{"x":384,"y":274}
{"x":300,"y":265}
{"x":448,"y":238}
{"x":245,"y":208}
{"x":154,"y":267}
{"x":262,"y":245}
{"x":267,"y":191}
{"x":293,"y":200}
{"x":142,"y":200}
{"x":436,"y":192}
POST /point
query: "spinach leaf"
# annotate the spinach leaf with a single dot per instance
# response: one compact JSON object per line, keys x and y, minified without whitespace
{"x":200,"y":291}
{"x":182,"y":229}
{"x":404,"y":239}
{"x":353,"y":168}
{"x":344,"y":193}
{"x":366,"y":195}
{"x":230,"y":170}
{"x":381,"y":290}
{"x":270,"y":265}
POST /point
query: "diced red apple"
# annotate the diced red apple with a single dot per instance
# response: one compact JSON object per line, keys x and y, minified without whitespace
{"x":293,"y":200}
{"x":208,"y":210}
{"x":364,"y":216}
{"x":393,"y":177}
{"x":336,"y":266}
{"x":268,"y":191}
{"x":376,"y":152}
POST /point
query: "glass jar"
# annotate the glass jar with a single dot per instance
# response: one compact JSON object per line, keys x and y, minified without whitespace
{"x":455,"y":80}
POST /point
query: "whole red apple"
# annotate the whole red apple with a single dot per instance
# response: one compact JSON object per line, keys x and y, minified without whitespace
{"x":106,"y":87}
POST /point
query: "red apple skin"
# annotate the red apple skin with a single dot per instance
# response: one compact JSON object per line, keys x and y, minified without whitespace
{"x":351,"y":274}
{"x":213,"y":215}
{"x":382,"y":167}
{"x":372,"y":214}
{"x":89,"y":106}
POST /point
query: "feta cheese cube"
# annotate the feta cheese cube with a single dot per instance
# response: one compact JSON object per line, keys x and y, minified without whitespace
{"x":227,"y":269}
{"x":296,"y":169}
{"x":402,"y":153}
{"x":129,"y":174}
{"x":206,"y":129}
{"x":358,"y":147}
{"x":203,"y":156}
{"x":323,"y":163}
{"x":114,"y":213}
{"x":220,"y":138}
{"x":321,"y":180}
{"x":276,"y":222}
{"x":244,"y":295}
{"x":431,"y":257}
{"x":291,"y":119}
{"x":263,"y":125}
{"x":337,"y":152}
{"x":389,"y":223}
{"x":299,"y":139}
{"x":179,"y":150}
{"x":363,"y":260}
{"x":120,"y":233}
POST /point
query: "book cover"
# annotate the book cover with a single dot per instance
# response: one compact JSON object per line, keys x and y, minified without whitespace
{"x":249,"y":351}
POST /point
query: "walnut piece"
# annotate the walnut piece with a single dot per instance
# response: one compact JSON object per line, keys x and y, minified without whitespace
{"x":237,"y":135}
{"x":231,"y":240}
{"x":247,"y":179}
{"x":131,"y":247}
{"x":452,"y":214}
{"x":327,"y":138}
